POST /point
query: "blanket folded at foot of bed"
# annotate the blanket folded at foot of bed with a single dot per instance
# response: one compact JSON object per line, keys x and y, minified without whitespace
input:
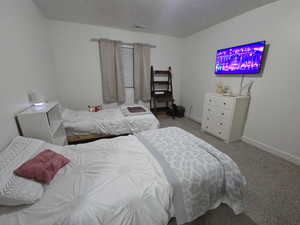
{"x":202,"y":177}
{"x":134,"y":110}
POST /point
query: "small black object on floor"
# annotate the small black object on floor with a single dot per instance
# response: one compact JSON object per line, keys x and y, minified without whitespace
{"x":176,"y":111}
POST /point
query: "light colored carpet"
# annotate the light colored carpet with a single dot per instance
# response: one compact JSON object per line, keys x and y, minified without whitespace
{"x":272,"y":195}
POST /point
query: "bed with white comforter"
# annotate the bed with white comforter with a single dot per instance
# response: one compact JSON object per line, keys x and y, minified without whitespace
{"x":134,"y":180}
{"x":114,"y":121}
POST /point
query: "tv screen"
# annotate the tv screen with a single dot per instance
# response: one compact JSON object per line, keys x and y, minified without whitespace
{"x":243,"y":59}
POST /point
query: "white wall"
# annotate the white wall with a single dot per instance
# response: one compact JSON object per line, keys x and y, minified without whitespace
{"x":25,"y":61}
{"x":77,"y":64}
{"x":273,"y":120}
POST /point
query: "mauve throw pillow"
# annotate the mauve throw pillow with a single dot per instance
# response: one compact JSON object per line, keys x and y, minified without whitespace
{"x":136,"y":109}
{"x":43,"y":167}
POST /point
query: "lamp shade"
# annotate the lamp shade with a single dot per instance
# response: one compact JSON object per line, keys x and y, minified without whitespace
{"x":36,"y":98}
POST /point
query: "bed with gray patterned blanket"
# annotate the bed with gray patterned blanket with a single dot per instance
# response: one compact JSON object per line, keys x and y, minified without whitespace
{"x":202,"y":177}
{"x":132,"y":180}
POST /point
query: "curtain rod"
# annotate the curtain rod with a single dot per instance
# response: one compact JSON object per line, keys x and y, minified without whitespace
{"x":125,"y":43}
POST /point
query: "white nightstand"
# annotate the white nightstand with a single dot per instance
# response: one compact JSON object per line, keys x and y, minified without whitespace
{"x":225,"y":116}
{"x":43,"y":122}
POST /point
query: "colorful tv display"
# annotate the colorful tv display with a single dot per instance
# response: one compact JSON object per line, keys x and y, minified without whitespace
{"x":243,"y":59}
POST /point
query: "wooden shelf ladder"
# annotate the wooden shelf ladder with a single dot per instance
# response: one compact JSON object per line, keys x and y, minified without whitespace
{"x":161,"y":89}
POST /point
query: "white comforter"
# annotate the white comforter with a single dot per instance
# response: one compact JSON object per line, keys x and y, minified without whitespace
{"x":108,"y":182}
{"x":135,"y":180}
{"x":107,"y":121}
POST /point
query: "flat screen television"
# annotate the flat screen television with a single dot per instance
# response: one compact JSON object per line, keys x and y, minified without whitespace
{"x":243,"y":59}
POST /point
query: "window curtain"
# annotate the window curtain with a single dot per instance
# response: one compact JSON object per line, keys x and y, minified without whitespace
{"x":113,"y":89}
{"x":142,"y":76}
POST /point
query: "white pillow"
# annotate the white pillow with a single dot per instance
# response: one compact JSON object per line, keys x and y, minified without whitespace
{"x":15,"y":190}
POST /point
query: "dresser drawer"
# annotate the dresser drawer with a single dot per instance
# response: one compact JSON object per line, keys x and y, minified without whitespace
{"x":215,"y":128}
{"x":209,"y":115}
{"x":222,"y":114}
{"x":208,"y":125}
{"x":222,"y":128}
{"x":221,"y":132}
{"x":220,"y":101}
{"x":211,"y":100}
{"x":216,"y":114}
{"x":224,"y":102}
{"x":222,"y":124}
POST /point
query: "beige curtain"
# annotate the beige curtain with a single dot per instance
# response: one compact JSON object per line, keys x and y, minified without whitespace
{"x":113,"y":89}
{"x":142,"y":72}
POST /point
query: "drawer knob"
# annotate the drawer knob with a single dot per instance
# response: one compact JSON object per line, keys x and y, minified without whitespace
{"x":221,"y":124}
{"x":222,"y":114}
{"x":209,"y":100}
{"x":207,"y":118}
{"x":224,"y":103}
{"x":208,"y":110}
{"x":220,"y":132}
{"x":206,"y":127}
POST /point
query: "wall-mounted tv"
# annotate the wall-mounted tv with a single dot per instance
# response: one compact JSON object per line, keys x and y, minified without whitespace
{"x":243,"y":59}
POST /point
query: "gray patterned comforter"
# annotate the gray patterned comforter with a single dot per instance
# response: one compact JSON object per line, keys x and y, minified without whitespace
{"x":202,"y":177}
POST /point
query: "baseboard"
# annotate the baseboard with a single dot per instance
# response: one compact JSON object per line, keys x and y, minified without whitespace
{"x":193,"y":118}
{"x":275,"y":151}
{"x":270,"y":149}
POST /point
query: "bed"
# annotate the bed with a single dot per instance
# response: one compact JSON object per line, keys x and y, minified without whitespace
{"x":85,"y":125}
{"x":146,"y":179}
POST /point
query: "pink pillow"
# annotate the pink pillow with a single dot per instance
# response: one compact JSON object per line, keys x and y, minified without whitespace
{"x":96,"y":108}
{"x":43,"y":167}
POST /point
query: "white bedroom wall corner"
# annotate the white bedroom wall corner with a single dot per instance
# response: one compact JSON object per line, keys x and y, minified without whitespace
{"x":273,"y":150}
{"x":180,"y":76}
{"x":51,"y":58}
{"x":272,"y":111}
{"x":25,"y":61}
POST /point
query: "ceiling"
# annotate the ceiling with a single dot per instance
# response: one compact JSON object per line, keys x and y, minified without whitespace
{"x":178,"y":18}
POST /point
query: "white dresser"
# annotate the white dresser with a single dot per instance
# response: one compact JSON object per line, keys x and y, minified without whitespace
{"x":225,"y":116}
{"x":43,"y":122}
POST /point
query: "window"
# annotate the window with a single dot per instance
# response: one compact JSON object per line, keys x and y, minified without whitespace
{"x":127,"y":61}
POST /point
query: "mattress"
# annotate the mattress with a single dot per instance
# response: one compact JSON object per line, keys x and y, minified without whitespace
{"x":111,"y":182}
{"x":146,"y":179}
{"x":108,"y":121}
